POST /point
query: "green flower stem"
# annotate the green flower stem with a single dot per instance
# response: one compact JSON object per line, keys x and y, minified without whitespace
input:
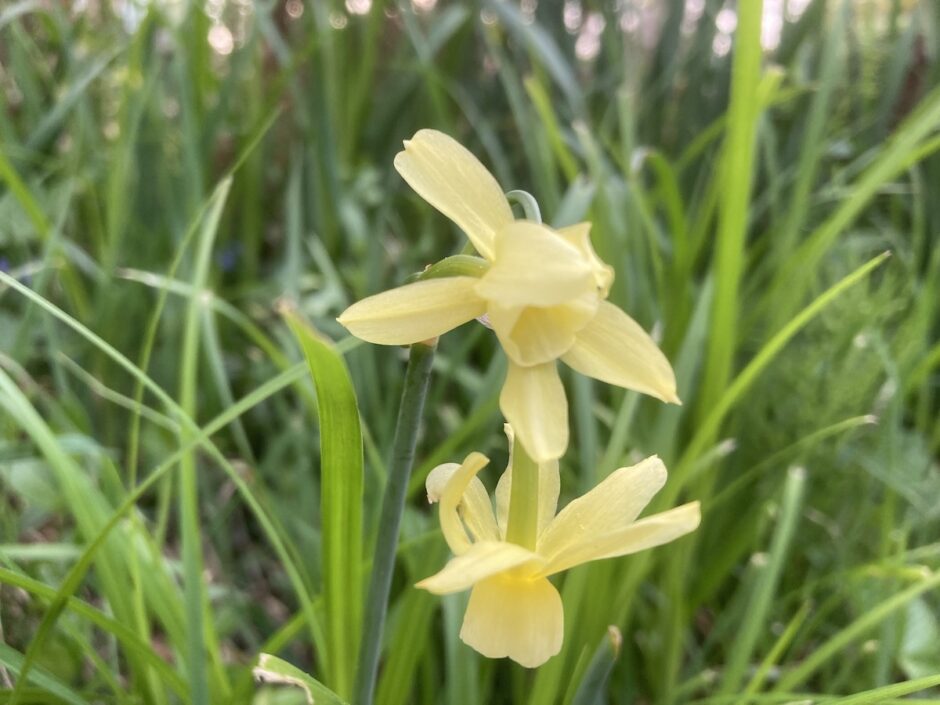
{"x":393,"y":505}
{"x":523,"y":499}
{"x":529,"y":205}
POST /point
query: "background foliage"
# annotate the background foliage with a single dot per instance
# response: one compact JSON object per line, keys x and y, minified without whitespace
{"x":170,"y":170}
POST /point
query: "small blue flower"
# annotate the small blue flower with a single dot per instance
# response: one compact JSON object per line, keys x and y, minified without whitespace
{"x":229,"y":256}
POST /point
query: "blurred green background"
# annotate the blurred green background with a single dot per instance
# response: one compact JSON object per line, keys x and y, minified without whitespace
{"x":169,"y":170}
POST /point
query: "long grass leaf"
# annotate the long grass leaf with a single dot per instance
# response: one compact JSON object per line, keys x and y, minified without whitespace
{"x":833,"y":646}
{"x":341,"y":493}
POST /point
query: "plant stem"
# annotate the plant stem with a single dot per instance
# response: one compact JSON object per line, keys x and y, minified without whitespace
{"x":528,"y":203}
{"x":523,"y":499}
{"x":393,"y":505}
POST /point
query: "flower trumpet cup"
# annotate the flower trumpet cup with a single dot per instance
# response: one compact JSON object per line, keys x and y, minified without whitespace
{"x":514,"y":610}
{"x":543,"y":291}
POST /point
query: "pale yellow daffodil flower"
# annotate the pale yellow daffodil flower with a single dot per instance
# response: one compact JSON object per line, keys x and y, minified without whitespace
{"x":542,"y":291}
{"x":514,"y":610}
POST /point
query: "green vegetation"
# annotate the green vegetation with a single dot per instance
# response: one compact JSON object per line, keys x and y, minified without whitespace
{"x":175,"y":177}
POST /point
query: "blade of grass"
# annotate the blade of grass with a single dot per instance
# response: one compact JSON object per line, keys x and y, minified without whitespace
{"x":128,"y":637}
{"x":736,"y":173}
{"x":12,"y":660}
{"x":761,"y":596}
{"x":86,"y":503}
{"x":742,"y":382}
{"x":44,"y":229}
{"x":833,"y":646}
{"x":793,"y":278}
{"x":200,"y":632}
{"x":880,"y":695}
{"x":78,"y":571}
{"x":593,"y":685}
{"x":271,"y":669}
{"x":341,"y":496}
{"x":775,"y":653}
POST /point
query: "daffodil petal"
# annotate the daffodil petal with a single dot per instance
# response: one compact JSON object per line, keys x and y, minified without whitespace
{"x":653,"y":531}
{"x":579,"y":235}
{"x":475,"y":508}
{"x":451,"y":495}
{"x":532,"y":335}
{"x":549,"y":487}
{"x":534,"y":266}
{"x":437,"y":480}
{"x":615,"y":349}
{"x":414,"y":312}
{"x":612,"y":505}
{"x":515,"y":617}
{"x":646,"y":533}
{"x":447,"y":175}
{"x":533,"y":401}
{"x":480,"y":561}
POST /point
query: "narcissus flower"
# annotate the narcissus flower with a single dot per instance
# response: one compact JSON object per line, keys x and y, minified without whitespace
{"x":514,"y":610}
{"x":542,"y":291}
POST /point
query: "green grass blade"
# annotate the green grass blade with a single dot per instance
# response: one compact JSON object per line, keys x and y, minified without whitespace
{"x":758,"y":364}
{"x":70,"y":584}
{"x":128,"y":638}
{"x":793,"y":279}
{"x":761,"y":596}
{"x":198,"y":616}
{"x":880,"y":695}
{"x":833,"y":646}
{"x":341,"y":482}
{"x":777,"y":650}
{"x":271,"y":669}
{"x":594,"y":683}
{"x":736,"y":174}
{"x":12,"y":660}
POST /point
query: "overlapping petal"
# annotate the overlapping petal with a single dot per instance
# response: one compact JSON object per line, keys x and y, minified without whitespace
{"x":528,"y":335}
{"x":474,"y":508}
{"x":532,"y":336}
{"x":414,"y":312}
{"x":534,"y":403}
{"x":533,"y":266}
{"x":449,"y":177}
{"x":612,"y":504}
{"x":515,"y":617}
{"x":646,"y":533}
{"x":450,"y":497}
{"x":649,"y":532}
{"x":480,"y":561}
{"x":615,"y":349}
{"x":579,"y":235}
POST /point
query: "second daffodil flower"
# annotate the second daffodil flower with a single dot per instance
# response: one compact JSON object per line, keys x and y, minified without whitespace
{"x":514,"y":610}
{"x":542,"y":291}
